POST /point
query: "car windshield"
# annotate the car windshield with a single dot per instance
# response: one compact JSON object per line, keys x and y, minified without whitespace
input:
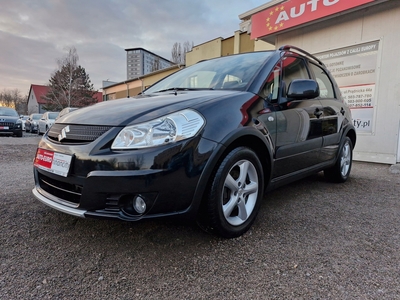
{"x":9,"y":112}
{"x":53,"y":115}
{"x":36,"y":117}
{"x":228,"y":72}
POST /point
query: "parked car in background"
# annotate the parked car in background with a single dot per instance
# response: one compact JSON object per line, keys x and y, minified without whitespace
{"x":203,"y":143}
{"x":10,"y":123}
{"x":23,"y":119}
{"x":66,"y":111}
{"x":46,"y":121}
{"x":31,"y":124}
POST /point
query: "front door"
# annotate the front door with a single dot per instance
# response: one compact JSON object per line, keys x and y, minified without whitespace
{"x":294,"y":126}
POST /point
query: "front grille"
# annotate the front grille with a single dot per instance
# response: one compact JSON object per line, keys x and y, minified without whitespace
{"x":9,"y":124}
{"x":76,"y":134}
{"x":65,"y":191}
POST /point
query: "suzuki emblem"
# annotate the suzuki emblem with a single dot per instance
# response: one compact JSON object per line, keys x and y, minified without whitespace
{"x":63,"y":133}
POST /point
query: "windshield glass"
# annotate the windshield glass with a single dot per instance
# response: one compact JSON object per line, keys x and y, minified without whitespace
{"x":36,"y":117}
{"x":228,"y":72}
{"x":53,"y":115}
{"x":9,"y":112}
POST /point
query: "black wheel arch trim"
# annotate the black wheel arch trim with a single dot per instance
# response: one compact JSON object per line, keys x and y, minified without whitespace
{"x":348,"y":131}
{"x":233,"y":140}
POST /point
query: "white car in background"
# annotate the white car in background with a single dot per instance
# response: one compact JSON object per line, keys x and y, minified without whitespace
{"x":46,"y":121}
{"x":65,"y":111}
{"x":23,"y":120}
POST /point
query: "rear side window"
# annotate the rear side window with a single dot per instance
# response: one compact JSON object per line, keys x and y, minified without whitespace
{"x":325,"y":84}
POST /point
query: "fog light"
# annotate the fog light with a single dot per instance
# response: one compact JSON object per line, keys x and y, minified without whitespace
{"x":139,"y":205}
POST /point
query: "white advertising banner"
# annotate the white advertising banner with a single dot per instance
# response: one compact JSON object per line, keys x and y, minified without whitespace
{"x":354,"y":69}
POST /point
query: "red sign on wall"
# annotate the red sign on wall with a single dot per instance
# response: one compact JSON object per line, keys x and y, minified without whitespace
{"x":292,"y":13}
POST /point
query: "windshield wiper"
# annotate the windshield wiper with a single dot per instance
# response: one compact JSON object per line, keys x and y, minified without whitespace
{"x":175,"y":89}
{"x":172,"y":89}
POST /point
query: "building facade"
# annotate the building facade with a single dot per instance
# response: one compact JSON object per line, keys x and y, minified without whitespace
{"x":240,"y":42}
{"x":35,"y":99}
{"x":132,"y":87}
{"x":140,"y":62}
{"x":359,"y":42}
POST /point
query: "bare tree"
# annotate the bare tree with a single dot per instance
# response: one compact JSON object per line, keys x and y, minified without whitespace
{"x":13,"y":99}
{"x":178,"y":52}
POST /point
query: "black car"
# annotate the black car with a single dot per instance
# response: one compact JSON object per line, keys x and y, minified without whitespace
{"x":32,"y":123}
{"x":10,"y":122}
{"x":203,"y":143}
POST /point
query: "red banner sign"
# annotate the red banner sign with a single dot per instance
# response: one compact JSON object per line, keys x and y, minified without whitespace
{"x":53,"y":162}
{"x":292,"y":13}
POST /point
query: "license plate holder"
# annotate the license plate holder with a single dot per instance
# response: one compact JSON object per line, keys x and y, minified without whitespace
{"x":53,"y":162}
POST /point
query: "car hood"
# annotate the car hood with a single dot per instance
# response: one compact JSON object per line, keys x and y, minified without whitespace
{"x":141,"y":108}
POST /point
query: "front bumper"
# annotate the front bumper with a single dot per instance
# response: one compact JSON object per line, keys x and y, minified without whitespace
{"x":63,"y":208}
{"x":11,"y":129}
{"x":17,"y":132}
{"x":105,"y":183}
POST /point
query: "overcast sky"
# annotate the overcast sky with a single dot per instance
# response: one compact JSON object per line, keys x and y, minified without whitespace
{"x":34,"y":34}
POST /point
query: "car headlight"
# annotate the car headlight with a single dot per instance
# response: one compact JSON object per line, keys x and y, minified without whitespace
{"x":167,"y":129}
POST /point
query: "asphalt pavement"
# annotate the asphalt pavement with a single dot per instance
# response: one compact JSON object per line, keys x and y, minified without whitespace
{"x":312,"y":240}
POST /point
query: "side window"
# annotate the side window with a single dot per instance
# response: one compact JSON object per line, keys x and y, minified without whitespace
{"x":271,"y":87}
{"x":293,"y":68}
{"x":325,"y":85}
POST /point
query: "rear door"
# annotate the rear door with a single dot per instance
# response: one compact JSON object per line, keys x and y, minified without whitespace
{"x":333,"y":113}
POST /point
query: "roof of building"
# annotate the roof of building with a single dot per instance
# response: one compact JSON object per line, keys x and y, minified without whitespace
{"x":41,"y":90}
{"x":142,"y":49}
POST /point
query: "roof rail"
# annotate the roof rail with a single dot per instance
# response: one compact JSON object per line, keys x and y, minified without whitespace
{"x":290,"y":47}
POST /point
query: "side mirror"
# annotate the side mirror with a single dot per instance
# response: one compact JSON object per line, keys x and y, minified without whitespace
{"x":303,"y":89}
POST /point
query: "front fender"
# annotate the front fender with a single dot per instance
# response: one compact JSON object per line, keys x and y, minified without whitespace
{"x":245,"y":136}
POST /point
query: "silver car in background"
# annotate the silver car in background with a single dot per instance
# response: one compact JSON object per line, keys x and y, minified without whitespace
{"x":46,"y":121}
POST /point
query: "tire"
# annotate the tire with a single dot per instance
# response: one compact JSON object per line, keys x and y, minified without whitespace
{"x":19,"y":134}
{"x":340,"y":172}
{"x":236,"y":190}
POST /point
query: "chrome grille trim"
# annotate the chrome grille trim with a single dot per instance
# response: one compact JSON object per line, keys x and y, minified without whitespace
{"x":9,"y":124}
{"x":68,"y":193}
{"x":76,"y":134}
